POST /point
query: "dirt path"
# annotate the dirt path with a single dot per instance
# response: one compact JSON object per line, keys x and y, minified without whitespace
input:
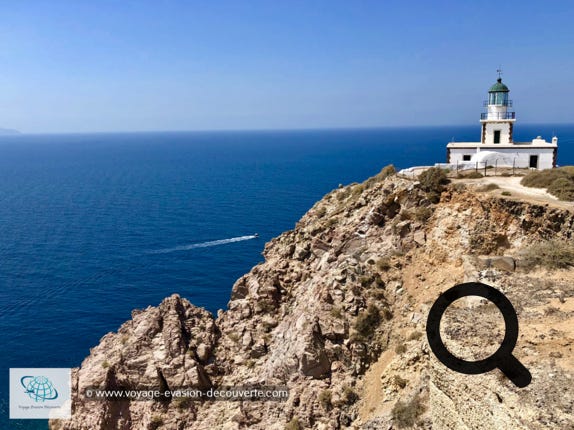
{"x":518,"y":191}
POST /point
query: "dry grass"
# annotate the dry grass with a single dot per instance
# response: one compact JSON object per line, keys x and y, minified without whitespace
{"x":368,"y":321}
{"x":558,"y":182}
{"x":382,"y":175}
{"x":294,"y":424}
{"x":488,"y":187}
{"x":472,"y":175}
{"x":405,"y":414}
{"x":552,"y":254}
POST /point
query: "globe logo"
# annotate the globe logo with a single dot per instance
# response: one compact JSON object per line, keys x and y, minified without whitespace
{"x":39,"y":388}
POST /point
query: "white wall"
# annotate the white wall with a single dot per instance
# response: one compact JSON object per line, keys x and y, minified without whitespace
{"x":504,"y":128}
{"x":496,"y":111}
{"x":520,"y":155}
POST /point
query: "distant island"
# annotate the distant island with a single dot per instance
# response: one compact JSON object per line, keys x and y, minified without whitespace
{"x":4,"y":131}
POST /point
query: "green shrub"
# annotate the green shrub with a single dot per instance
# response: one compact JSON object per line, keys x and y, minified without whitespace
{"x":349,"y":395}
{"x":182,"y":403}
{"x":488,"y":187}
{"x":357,"y":190}
{"x":387,"y":314}
{"x":367,"y":321}
{"x":406,"y":215}
{"x":552,"y":254}
{"x":432,"y":182}
{"x":474,"y":175}
{"x":415,"y":335}
{"x":156,"y":422}
{"x":384,"y":264}
{"x":325,"y":400}
{"x":506,"y":193}
{"x":331,"y":222}
{"x":336,"y":312}
{"x":559,"y":182}
{"x":401,"y":348}
{"x":423,"y":213}
{"x":294,"y":424}
{"x":433,"y":179}
{"x":366,"y":280}
{"x":405,"y":414}
{"x":387,"y":171}
{"x":543,"y":178}
{"x":563,"y":188}
{"x":383,"y":174}
{"x":343,"y":193}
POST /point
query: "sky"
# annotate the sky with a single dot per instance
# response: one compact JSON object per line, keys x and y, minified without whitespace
{"x":122,"y":65}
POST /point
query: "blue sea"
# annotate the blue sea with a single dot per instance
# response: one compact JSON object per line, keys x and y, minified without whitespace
{"x":93,"y":226}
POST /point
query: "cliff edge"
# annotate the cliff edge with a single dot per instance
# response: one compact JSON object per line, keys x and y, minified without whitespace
{"x":337,"y":314}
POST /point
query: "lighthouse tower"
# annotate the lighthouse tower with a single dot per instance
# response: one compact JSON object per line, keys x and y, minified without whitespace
{"x":497,"y":146}
{"x":498,"y":121}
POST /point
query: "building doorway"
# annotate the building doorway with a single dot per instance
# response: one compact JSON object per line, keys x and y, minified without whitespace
{"x":534,"y":161}
{"x":496,"y":136}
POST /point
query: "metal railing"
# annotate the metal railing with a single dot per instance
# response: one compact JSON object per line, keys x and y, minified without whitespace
{"x":505,"y":103}
{"x":498,"y":115}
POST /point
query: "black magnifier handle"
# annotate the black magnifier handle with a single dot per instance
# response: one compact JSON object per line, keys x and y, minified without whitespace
{"x":515,"y":371}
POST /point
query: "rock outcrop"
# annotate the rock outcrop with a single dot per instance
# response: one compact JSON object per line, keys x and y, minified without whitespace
{"x":337,"y":313}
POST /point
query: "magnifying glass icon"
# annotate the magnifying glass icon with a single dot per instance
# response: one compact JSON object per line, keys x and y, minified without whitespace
{"x":502,"y":358}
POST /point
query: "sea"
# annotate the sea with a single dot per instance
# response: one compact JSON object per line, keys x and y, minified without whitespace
{"x":93,"y":226}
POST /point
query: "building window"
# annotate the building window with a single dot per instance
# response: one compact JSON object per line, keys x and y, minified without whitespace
{"x":496,"y":136}
{"x":466,"y":157}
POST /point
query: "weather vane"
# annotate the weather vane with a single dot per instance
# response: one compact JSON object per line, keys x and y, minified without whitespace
{"x":499,"y":71}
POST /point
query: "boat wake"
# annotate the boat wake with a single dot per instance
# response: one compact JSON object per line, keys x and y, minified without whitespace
{"x":203,"y":244}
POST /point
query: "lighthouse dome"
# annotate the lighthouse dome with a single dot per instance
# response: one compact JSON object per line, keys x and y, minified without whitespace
{"x":499,"y":87}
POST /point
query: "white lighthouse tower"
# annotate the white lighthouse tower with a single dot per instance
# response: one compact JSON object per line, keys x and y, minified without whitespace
{"x":497,"y":146}
{"x":497,"y":122}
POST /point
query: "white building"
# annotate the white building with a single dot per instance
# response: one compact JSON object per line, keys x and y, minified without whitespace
{"x":496,"y":146}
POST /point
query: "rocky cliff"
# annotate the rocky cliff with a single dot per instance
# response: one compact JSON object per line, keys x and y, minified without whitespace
{"x":337,"y":313}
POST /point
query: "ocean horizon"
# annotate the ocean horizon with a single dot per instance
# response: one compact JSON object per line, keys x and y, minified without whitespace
{"x":95,"y":225}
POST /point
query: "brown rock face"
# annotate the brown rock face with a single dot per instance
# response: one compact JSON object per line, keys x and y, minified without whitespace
{"x":337,"y":314}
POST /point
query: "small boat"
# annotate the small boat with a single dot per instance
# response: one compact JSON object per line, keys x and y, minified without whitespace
{"x":256,"y":235}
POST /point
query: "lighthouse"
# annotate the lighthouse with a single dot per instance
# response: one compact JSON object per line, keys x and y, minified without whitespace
{"x":497,"y":146}
{"x":498,"y":121}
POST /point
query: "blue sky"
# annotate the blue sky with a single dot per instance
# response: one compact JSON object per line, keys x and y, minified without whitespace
{"x":80,"y":66}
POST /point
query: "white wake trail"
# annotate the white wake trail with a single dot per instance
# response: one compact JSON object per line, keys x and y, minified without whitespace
{"x":203,"y":244}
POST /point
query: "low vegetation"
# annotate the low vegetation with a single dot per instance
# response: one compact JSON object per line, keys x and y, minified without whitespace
{"x":349,"y":395}
{"x":472,"y":175}
{"x":405,"y":414}
{"x":488,"y":187}
{"x":433,"y":182}
{"x":372,"y":280}
{"x":325,"y":399}
{"x":367,"y":321}
{"x":182,"y":403}
{"x":382,"y":175}
{"x":415,"y":335}
{"x":401,"y":348}
{"x":552,"y":254}
{"x":156,"y":422}
{"x":384,"y":264}
{"x":423,"y":213}
{"x":558,"y":182}
{"x":294,"y":424}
